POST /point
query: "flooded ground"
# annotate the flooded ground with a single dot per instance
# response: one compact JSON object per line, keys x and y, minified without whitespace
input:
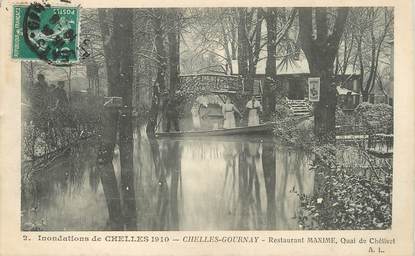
{"x":189,"y":184}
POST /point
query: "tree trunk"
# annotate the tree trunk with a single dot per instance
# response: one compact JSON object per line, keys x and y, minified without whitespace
{"x":111,"y":63}
{"x":174,"y":51}
{"x":325,"y":109}
{"x":69,"y":83}
{"x":123,"y":33}
{"x":162,"y":201}
{"x":320,"y":53}
{"x":269,"y":168}
{"x":362,"y":69}
{"x":271,"y":65}
{"x":160,"y":84}
{"x":273,"y":39}
{"x":109,"y":130}
{"x":175,"y":170}
{"x":106,"y":169}
{"x":233,"y":34}
{"x":243,"y":47}
{"x":119,"y":62}
{"x":229,"y":68}
{"x":253,"y":50}
{"x":243,"y":184}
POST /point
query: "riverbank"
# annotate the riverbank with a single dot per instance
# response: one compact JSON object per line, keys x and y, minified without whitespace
{"x":352,"y":189}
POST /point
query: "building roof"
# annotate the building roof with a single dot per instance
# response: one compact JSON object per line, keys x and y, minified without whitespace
{"x":299,"y":66}
{"x":292,"y":67}
{"x":209,"y":74}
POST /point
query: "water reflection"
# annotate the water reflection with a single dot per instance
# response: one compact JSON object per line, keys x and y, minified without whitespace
{"x":66,"y":195}
{"x":195,"y":184}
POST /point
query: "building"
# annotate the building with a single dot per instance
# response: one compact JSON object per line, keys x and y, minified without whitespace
{"x":294,"y":74}
{"x":347,"y":99}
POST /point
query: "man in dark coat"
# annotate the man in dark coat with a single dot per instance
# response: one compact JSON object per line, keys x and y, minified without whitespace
{"x":172,"y":115}
{"x":61,"y":96}
{"x":62,"y":106}
{"x":39,"y":100}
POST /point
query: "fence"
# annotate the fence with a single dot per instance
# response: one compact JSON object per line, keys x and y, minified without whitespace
{"x":360,"y":129}
{"x":372,"y":137}
{"x":380,"y":145}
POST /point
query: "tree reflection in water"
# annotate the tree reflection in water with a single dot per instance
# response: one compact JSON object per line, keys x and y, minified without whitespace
{"x":159,"y":178}
{"x":293,"y":175}
{"x":195,"y":184}
{"x":63,"y":195}
{"x":249,"y":190}
{"x":269,"y":169}
{"x":112,"y":194}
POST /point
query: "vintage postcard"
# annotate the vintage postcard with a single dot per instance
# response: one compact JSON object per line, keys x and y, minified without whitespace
{"x":206,"y":128}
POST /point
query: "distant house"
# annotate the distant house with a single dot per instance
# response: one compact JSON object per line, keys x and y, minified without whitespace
{"x":381,"y":94}
{"x":293,"y":75}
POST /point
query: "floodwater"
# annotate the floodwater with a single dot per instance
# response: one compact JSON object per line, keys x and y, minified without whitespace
{"x":246,"y":183}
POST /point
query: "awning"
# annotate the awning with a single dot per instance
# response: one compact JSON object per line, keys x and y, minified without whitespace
{"x":345,"y":91}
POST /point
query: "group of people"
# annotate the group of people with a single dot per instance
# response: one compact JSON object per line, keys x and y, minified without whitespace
{"x":229,"y":109}
{"x":46,"y":98}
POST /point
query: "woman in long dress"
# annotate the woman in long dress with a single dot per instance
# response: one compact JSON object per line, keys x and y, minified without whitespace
{"x":228,"y":110}
{"x":196,"y":116}
{"x":253,"y":107}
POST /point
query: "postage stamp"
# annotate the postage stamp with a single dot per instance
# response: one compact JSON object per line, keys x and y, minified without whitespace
{"x":48,"y":33}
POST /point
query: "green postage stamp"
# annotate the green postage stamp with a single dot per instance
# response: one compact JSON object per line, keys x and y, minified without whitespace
{"x":42,"y":32}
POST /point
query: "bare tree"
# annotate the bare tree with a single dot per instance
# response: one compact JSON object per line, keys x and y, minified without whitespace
{"x":249,"y":43}
{"x":174,"y":49}
{"x":215,"y":36}
{"x":379,"y":24}
{"x":275,"y":34}
{"x":320,"y":52}
{"x":117,"y":34}
{"x":159,"y":85}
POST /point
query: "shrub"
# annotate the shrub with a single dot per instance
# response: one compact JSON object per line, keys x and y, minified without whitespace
{"x":345,"y":198}
{"x":288,"y":128}
{"x":282,"y":111}
{"x":376,"y":117}
{"x":344,"y":119}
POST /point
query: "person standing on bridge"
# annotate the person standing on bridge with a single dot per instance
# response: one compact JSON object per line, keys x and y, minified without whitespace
{"x":254,"y":107}
{"x":228,"y":110}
